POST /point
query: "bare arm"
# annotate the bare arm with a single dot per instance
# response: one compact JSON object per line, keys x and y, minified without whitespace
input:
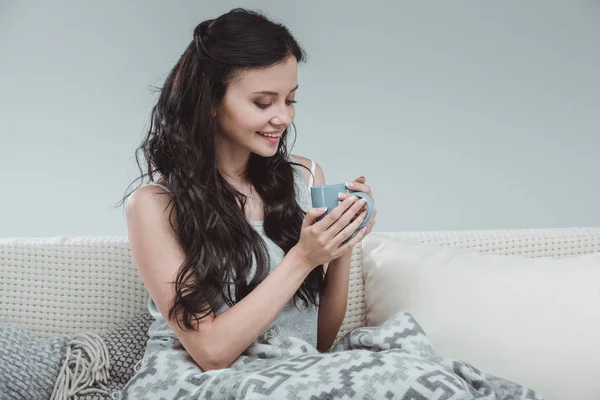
{"x":158,"y":256}
{"x":334,"y":300}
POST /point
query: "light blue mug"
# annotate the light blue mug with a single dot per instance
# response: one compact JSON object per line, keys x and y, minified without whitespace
{"x":327,"y":196}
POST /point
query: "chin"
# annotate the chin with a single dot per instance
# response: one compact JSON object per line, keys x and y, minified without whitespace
{"x":265,"y":152}
{"x":265,"y":149}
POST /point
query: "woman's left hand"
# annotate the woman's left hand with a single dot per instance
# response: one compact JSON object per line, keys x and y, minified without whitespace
{"x":360,"y":185}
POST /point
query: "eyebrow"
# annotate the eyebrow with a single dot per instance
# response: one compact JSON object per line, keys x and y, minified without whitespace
{"x":274,"y":93}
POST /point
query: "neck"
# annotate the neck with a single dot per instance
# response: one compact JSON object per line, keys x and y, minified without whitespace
{"x":232,"y":161}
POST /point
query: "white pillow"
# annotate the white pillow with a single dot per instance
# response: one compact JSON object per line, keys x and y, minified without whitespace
{"x":535,"y":321}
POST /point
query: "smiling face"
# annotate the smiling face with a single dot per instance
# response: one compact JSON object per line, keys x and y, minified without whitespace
{"x":257,"y":107}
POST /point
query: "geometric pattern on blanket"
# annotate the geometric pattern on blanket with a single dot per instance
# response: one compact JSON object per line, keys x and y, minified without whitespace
{"x":392,"y":361}
{"x":29,"y":365}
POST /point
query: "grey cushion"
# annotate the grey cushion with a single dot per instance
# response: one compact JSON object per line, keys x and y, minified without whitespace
{"x":126,"y":344}
{"x":29,"y":365}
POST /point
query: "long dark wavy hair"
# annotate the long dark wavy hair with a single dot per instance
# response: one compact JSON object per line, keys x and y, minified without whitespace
{"x":211,"y":226}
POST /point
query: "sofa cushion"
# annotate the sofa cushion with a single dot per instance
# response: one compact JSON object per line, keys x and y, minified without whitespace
{"x":126,"y":344}
{"x":29,"y":365}
{"x":32,"y":367}
{"x":532,"y":320}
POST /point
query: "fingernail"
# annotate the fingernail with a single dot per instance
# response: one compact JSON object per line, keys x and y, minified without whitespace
{"x":340,"y":196}
{"x":354,"y":198}
{"x":350,"y":184}
{"x":362,"y":201}
{"x":322,"y":209}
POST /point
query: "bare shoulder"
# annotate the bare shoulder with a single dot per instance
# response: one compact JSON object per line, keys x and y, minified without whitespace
{"x":319,"y":175}
{"x":145,"y":196}
{"x":148,"y":201}
{"x":155,"y":249}
{"x":302,"y":160}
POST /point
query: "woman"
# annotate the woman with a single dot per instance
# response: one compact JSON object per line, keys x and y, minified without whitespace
{"x":225,"y":240}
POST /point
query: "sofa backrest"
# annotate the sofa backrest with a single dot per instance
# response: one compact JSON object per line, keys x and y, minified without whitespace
{"x":71,"y":284}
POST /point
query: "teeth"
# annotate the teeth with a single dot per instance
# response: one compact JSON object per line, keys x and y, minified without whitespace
{"x":267,"y":135}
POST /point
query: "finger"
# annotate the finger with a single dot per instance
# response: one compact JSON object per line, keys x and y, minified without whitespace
{"x":344,"y":196}
{"x":352,"y":217}
{"x":312,"y":215}
{"x":359,"y":187}
{"x":364,"y":207}
{"x":336,"y":213}
{"x":361,"y":179}
{"x":370,"y":226}
{"x":347,"y":231}
{"x":372,"y":221}
{"x":360,"y":235}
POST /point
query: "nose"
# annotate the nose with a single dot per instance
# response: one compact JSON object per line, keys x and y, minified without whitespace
{"x":283,"y":118}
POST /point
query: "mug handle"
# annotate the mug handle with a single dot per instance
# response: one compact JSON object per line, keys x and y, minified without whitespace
{"x":370,"y":210}
{"x":369,"y":205}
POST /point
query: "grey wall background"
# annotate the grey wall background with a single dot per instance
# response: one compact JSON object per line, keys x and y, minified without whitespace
{"x":462,"y":115}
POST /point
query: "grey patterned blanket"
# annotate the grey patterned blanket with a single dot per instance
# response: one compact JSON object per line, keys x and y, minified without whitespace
{"x":392,"y":361}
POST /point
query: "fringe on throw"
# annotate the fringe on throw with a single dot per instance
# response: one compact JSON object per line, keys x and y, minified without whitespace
{"x":86,"y":364}
{"x":275,"y":332}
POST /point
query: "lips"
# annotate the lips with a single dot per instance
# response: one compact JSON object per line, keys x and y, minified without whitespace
{"x":271,"y":140}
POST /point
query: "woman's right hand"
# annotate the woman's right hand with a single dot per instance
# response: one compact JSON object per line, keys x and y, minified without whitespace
{"x":321,"y":241}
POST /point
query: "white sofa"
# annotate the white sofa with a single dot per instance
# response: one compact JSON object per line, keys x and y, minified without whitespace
{"x":71,"y":284}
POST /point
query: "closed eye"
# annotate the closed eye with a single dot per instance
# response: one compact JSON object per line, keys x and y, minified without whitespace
{"x":264,"y":106}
